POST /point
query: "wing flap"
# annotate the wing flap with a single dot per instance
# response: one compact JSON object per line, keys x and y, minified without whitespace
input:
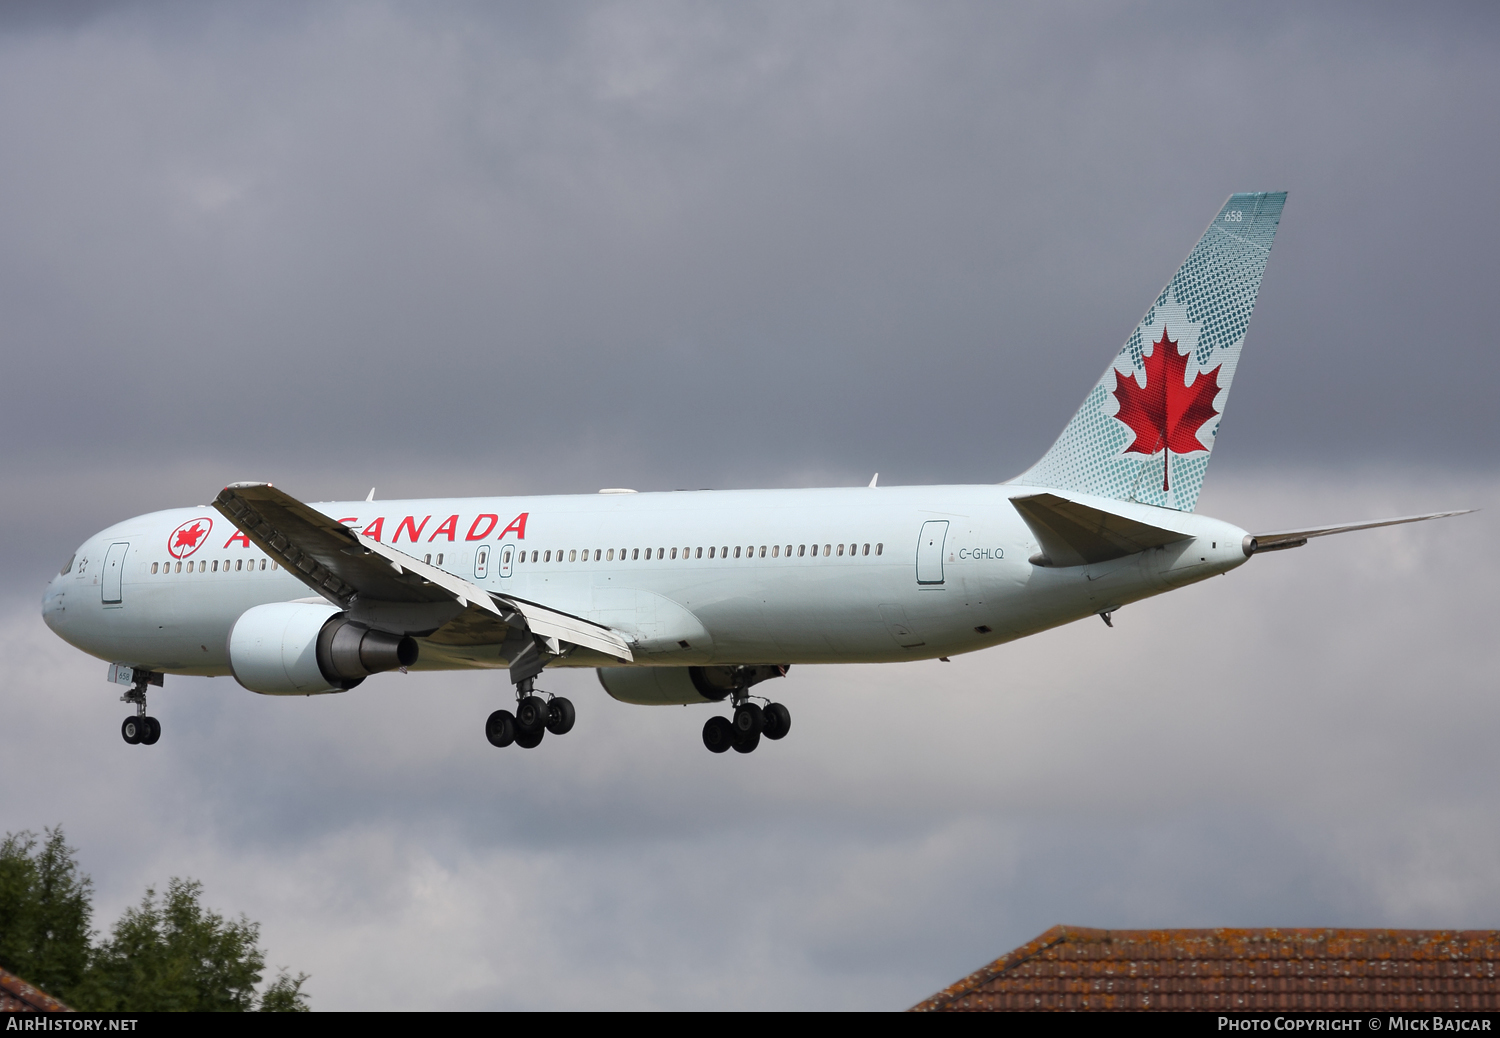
{"x":550,"y":623}
{"x":1074,"y":534}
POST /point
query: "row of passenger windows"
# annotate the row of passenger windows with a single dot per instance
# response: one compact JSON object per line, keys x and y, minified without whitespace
{"x":747,"y":551}
{"x":211,"y":566}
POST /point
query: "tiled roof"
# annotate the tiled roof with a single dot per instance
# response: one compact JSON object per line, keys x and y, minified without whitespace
{"x":1074,"y":968}
{"x":17,"y":996}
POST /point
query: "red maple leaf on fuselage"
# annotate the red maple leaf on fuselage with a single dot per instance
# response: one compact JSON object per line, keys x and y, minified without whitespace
{"x":1167,"y":413}
{"x":189,"y":538}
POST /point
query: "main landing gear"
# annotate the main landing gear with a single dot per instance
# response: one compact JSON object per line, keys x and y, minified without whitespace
{"x":749,"y":722}
{"x":140,"y":729}
{"x":535,"y":716}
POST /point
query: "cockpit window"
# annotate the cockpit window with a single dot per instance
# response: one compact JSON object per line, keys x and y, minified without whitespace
{"x":68,"y":568}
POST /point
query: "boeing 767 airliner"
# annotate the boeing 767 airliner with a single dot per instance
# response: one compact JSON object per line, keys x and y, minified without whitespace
{"x":700,"y":597}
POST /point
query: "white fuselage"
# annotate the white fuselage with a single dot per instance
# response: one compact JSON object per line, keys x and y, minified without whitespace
{"x":706,"y":577}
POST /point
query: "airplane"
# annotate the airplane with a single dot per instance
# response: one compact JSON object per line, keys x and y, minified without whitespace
{"x":700,"y":597}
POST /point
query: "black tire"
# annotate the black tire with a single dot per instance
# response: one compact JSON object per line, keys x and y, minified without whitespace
{"x":749,"y":720}
{"x":560,"y":716}
{"x":152,"y":733}
{"x":132,"y":730}
{"x":531,"y":714}
{"x":530,"y":740}
{"x":718,"y":734}
{"x":746,"y":743}
{"x":500,"y":728}
{"x":778,"y":721}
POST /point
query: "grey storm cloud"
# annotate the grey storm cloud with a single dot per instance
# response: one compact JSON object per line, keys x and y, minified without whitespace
{"x":467,"y":248}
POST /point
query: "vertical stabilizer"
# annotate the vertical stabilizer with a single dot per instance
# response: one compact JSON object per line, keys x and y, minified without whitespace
{"x":1146,"y":431}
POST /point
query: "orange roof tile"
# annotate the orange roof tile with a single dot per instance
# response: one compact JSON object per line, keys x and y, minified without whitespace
{"x":1075,"y":968}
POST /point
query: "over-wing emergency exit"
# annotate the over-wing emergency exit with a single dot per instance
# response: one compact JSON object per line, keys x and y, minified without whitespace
{"x":700,"y":597}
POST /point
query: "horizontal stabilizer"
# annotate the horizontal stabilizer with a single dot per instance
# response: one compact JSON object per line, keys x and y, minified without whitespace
{"x":1073,"y":534}
{"x":1282,"y":539}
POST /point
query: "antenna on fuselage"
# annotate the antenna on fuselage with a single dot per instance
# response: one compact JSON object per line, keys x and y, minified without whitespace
{"x":372,"y":495}
{"x":874,"y":478}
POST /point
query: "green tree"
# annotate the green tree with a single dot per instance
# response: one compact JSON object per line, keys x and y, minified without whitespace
{"x":172,"y":954}
{"x":168,"y":953}
{"x":45,"y":911}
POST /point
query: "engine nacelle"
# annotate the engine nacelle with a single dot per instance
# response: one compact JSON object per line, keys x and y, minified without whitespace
{"x":303,"y":648}
{"x":673,"y":686}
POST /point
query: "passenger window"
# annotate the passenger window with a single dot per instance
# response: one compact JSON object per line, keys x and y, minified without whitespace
{"x":867,"y":550}
{"x":762,"y":551}
{"x":573,"y":555}
{"x":154,"y":565}
{"x":179,"y":567}
{"x":661,"y":553}
{"x":427,"y":559}
{"x":239,"y":564}
{"x":841,"y":549}
{"x":609,"y":556}
{"x":275,"y":564}
{"x":736,"y":551}
{"x":547,"y":557}
{"x":710,"y":551}
{"x":700,"y":554}
{"x":827,"y":550}
{"x":879,"y":549}
{"x":775,"y":551}
{"x":440,"y":558}
{"x":801,"y":550}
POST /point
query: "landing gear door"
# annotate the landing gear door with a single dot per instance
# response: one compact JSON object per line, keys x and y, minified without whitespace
{"x":112,"y":580}
{"x":930,"y":552}
{"x":507,"y":559}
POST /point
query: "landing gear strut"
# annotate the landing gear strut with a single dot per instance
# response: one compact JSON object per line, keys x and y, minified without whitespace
{"x":140,"y":729}
{"x":536,"y":715}
{"x":742,"y":731}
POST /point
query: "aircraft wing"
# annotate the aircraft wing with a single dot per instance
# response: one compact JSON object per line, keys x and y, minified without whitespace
{"x":1074,"y":534}
{"x":1283,"y":539}
{"x":341,"y":566}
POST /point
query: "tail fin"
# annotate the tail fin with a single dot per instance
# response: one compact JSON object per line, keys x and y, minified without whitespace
{"x":1146,"y":431}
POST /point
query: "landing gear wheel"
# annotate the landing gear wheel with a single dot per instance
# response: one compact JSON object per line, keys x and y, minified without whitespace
{"x":133,"y":730}
{"x":530,"y":740}
{"x":778,"y":721}
{"x":531,"y":715}
{"x":153,"y":731}
{"x":560,"y":716}
{"x":749,"y":720}
{"x":744,"y":743}
{"x":718,"y":734}
{"x":500,"y":728}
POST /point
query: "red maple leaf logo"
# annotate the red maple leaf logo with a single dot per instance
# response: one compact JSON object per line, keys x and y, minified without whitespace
{"x":189,"y":538}
{"x":1167,"y":414}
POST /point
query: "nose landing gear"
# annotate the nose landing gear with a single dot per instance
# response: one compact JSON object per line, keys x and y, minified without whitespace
{"x":141,"y":729}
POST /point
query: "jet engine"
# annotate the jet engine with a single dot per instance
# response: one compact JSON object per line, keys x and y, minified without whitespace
{"x":302,"y":648}
{"x":672,"y":686}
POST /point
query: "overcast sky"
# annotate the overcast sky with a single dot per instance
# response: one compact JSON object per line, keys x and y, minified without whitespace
{"x":452,"y":248}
